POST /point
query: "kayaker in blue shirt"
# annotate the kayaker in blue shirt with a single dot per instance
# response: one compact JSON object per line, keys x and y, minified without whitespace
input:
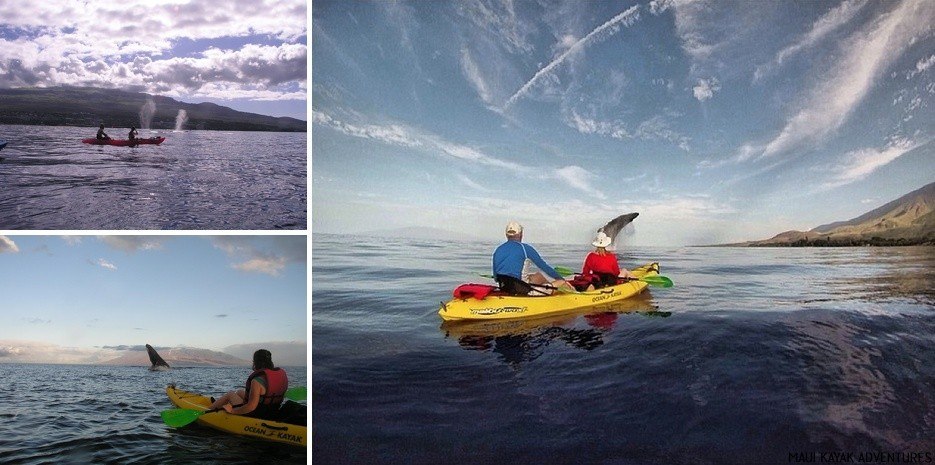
{"x":101,"y":135}
{"x":509,"y":266}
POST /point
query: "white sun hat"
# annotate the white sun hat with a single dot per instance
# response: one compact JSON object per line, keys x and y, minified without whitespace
{"x":602,"y":240}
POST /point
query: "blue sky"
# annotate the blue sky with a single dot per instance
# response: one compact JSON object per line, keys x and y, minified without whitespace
{"x":87,"y":293}
{"x":717,"y":121}
{"x":250,"y":55}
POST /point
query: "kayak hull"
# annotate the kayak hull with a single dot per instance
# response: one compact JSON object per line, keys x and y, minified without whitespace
{"x":124,"y":142}
{"x":499,"y":307}
{"x":295,"y":435}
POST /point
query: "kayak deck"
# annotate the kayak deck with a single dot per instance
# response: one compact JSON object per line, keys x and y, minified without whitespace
{"x":295,"y":435}
{"x":497,"y":306}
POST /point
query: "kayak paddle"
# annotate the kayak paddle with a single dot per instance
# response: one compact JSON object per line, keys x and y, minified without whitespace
{"x":297,"y":393}
{"x":179,"y":417}
{"x":660,"y":281}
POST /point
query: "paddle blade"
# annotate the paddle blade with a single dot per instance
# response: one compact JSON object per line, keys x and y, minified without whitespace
{"x":660,"y":281}
{"x":564,"y":271}
{"x":297,"y":393}
{"x":179,"y":417}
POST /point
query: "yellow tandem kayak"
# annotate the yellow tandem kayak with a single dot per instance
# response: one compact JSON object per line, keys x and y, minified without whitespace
{"x":495,"y":307}
{"x":295,"y":435}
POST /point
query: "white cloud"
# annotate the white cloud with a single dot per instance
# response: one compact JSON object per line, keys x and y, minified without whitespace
{"x":267,"y":265}
{"x":7,"y":245}
{"x":705,"y":89}
{"x":858,"y":164}
{"x":263,"y":254}
{"x":40,"y":352}
{"x":132,"y":244}
{"x":396,"y":134}
{"x":921,"y":66}
{"x":866,"y":54}
{"x":69,"y":44}
{"x":826,"y":24}
{"x":602,"y":32}
{"x":471,"y":71}
{"x":655,"y":128}
{"x":72,"y":240}
{"x":471,"y":183}
{"x":580,"y":179}
{"x":105,"y":264}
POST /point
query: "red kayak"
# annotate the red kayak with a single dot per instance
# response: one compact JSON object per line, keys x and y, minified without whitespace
{"x":124,"y":142}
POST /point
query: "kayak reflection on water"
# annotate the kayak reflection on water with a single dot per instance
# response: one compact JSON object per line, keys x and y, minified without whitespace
{"x":524,"y":340}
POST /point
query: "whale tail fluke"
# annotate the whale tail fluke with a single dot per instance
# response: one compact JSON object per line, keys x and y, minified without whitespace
{"x":158,"y":363}
{"x":613,"y":227}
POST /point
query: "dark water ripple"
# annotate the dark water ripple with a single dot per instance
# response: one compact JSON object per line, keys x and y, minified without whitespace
{"x":193,"y":180}
{"x":754,"y":354}
{"x":74,"y":414}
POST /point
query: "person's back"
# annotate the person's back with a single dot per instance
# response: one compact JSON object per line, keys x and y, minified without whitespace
{"x":275,"y":382}
{"x":101,"y":135}
{"x":509,"y":262}
{"x":132,"y":134}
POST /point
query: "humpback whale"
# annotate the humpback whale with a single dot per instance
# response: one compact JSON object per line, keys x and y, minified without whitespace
{"x":613,"y":227}
{"x":158,"y":363}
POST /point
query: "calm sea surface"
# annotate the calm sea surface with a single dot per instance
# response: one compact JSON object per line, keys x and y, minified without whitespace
{"x":193,"y":180}
{"x":79,"y":414}
{"x":755,"y":356}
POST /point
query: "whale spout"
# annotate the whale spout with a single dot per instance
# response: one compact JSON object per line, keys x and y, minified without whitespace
{"x":613,"y":227}
{"x":158,"y":363}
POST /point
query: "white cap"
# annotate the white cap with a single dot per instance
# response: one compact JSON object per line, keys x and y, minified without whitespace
{"x":602,"y":240}
{"x":513,"y":228}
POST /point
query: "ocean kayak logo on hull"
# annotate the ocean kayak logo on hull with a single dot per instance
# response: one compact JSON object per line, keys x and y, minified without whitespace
{"x":273,"y":434}
{"x":604,"y":297}
{"x":497,"y":310}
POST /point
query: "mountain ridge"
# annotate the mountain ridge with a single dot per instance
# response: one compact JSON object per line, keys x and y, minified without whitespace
{"x":908,"y":220}
{"x":91,"y":106}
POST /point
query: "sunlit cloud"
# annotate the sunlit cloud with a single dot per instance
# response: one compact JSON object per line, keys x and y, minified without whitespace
{"x":266,"y":255}
{"x":7,"y":245}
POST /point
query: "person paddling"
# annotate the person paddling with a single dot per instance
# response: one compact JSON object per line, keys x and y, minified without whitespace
{"x":263,"y":392}
{"x":101,"y":135}
{"x":133,"y":134}
{"x":510,"y":262}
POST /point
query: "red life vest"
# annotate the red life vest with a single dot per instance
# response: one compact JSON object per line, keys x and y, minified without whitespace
{"x":276,"y":384}
{"x":477,"y":291}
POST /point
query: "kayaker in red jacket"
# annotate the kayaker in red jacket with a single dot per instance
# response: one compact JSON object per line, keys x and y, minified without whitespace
{"x":600,"y":266}
{"x":264,"y":390}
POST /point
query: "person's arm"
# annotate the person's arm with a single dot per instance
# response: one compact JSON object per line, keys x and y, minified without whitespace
{"x":543,"y":266}
{"x":252,"y":402}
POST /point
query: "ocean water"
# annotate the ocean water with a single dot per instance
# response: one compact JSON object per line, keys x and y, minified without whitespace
{"x":193,"y":180}
{"x":81,"y":414}
{"x":761,"y":355}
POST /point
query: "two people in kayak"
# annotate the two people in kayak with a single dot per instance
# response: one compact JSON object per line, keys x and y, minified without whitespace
{"x":263,"y":392}
{"x":512,"y":258}
{"x":511,"y":267}
{"x":132,"y":136}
